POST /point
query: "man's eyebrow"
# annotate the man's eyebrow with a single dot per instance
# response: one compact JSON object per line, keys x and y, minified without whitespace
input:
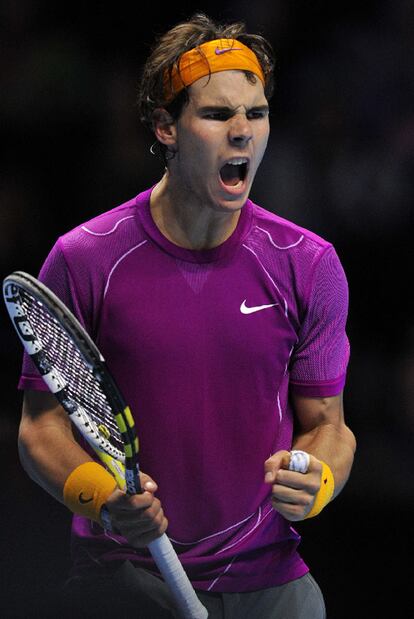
{"x":205,"y":109}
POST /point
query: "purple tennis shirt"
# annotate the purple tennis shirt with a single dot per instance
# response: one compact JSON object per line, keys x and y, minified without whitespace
{"x":206,"y":347}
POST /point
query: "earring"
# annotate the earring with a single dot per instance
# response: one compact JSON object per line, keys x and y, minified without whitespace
{"x":170,"y":154}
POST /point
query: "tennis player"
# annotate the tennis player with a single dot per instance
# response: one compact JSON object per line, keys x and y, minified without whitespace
{"x":224,"y":326}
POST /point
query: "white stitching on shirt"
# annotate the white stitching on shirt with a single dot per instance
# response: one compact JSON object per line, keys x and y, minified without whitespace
{"x":222,"y":573}
{"x":269,"y":276}
{"x":288,"y":361}
{"x":278,"y":246}
{"x":117,"y":263}
{"x":228,"y":566}
{"x":109,"y":231}
{"x":203,"y":539}
{"x":257,"y":523}
{"x":279,"y":407}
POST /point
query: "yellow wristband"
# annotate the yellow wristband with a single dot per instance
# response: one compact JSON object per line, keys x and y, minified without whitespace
{"x":325,"y":492}
{"x":87,"y":488}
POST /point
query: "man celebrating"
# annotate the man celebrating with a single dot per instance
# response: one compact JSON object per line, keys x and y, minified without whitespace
{"x":224,"y":326}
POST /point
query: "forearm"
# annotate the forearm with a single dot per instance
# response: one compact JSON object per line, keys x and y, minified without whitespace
{"x":49,"y":453}
{"x":333,"y":444}
{"x":51,"y":456}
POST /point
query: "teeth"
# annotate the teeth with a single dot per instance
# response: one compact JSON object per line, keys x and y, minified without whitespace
{"x":239,"y":161}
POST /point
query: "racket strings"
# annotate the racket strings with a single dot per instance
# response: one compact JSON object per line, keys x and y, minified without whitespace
{"x":64,"y":357}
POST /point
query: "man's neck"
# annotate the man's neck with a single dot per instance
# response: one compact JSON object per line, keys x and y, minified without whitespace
{"x":187,"y":223}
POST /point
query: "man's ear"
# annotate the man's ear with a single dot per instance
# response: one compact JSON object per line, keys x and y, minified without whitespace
{"x":164,"y":128}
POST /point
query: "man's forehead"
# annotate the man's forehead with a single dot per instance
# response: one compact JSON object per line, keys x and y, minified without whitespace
{"x":227,"y":89}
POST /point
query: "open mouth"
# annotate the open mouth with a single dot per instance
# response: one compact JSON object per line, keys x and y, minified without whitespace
{"x":234,"y":172}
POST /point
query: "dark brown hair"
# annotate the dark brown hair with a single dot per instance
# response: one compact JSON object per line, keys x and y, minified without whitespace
{"x":169,"y":48}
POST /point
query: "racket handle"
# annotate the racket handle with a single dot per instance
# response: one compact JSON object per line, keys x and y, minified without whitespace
{"x":174,"y":575}
{"x":164,"y":555}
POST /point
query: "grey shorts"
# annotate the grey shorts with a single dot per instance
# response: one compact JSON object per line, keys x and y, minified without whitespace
{"x":126,"y":589}
{"x":298,"y":599}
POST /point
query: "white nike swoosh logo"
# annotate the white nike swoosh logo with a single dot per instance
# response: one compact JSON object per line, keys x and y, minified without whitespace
{"x":256,"y":308}
{"x":227,"y":49}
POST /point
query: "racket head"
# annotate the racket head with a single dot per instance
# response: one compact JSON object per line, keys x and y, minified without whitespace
{"x":74,"y":370}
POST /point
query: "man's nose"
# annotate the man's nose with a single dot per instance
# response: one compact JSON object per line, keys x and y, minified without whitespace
{"x":240,"y":132}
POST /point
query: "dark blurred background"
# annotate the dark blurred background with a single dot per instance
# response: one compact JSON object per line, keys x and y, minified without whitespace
{"x":340,"y":162}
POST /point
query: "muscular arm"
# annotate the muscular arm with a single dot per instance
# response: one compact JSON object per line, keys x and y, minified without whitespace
{"x":47,"y":448}
{"x":49,"y":453}
{"x":321,"y":431}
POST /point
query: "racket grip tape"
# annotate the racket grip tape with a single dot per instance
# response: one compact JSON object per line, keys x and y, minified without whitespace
{"x":87,"y":488}
{"x":174,"y":575}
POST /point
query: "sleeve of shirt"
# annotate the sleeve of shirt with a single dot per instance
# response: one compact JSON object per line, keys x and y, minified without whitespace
{"x":55,"y":274}
{"x":320,"y":359}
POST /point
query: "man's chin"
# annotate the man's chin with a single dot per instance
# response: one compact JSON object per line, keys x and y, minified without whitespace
{"x":232,"y":203}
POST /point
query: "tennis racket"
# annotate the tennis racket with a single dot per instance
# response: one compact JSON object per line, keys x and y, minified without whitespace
{"x":75,"y":372}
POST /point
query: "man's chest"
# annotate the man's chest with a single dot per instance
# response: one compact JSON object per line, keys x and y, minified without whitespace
{"x":172,"y":312}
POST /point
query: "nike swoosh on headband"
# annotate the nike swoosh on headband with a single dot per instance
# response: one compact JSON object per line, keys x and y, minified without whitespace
{"x":227,"y":49}
{"x":256,"y":308}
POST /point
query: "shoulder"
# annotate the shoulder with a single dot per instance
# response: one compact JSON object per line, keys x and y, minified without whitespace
{"x":295,"y":258}
{"x":105,"y":237}
{"x":284,"y":235}
{"x":90,"y":250}
{"x":80,"y":263}
{"x":109,"y":222}
{"x":114,"y":224}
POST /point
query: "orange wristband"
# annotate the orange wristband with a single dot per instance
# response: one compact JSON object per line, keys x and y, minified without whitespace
{"x":325,"y":492}
{"x":87,"y":488}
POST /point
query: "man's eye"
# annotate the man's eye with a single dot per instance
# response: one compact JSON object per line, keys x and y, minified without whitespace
{"x":217,"y":116}
{"x":253,"y":115}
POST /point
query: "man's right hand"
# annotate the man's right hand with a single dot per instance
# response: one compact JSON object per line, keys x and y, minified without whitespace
{"x":138,"y":517}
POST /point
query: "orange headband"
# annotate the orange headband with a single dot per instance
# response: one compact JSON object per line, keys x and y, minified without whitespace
{"x":210,"y":57}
